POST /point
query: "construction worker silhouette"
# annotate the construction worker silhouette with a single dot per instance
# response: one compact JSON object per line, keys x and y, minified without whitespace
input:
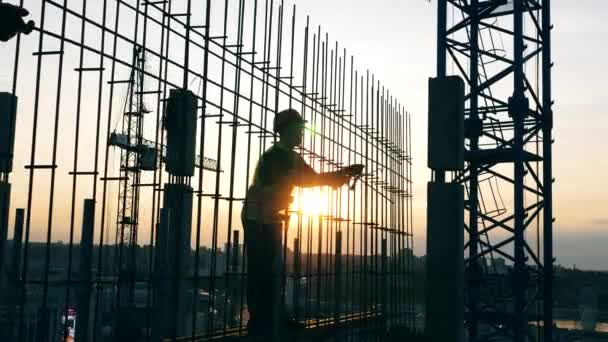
{"x":278,"y":171}
{"x":11,"y":21}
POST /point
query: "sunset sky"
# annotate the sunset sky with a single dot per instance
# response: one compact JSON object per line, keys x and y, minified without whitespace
{"x":401,"y":34}
{"x":396,"y":40}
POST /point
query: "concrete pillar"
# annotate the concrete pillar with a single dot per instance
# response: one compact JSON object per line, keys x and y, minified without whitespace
{"x":13,"y":273}
{"x":160,"y":328}
{"x":17,"y":243}
{"x":85,"y":273}
{"x":8,"y":118}
{"x":297,"y":269}
{"x":444,"y":263}
{"x":180,"y":123}
{"x":338,"y":279}
{"x":178,"y":199}
{"x":445,"y":212}
{"x":384,"y":276}
{"x":235,"y":251}
{"x":234,"y":283}
{"x":5,"y":198}
{"x":446,"y":124}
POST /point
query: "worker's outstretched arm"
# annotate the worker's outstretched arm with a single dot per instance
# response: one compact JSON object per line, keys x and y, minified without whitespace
{"x":306,"y":176}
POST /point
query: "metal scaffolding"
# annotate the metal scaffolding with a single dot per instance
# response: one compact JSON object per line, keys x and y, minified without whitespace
{"x":502,"y":49}
{"x":90,"y":67}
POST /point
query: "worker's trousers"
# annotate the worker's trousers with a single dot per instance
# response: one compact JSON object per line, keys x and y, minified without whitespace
{"x":264,"y":278}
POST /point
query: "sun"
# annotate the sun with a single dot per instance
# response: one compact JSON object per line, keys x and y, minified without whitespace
{"x":310,"y":202}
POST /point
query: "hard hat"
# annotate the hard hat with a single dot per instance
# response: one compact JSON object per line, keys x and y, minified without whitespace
{"x":285,"y":118}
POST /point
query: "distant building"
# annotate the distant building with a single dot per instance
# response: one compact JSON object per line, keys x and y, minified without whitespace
{"x":496,"y":266}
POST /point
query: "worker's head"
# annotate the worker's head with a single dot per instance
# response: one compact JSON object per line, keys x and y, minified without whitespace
{"x":11,"y":17}
{"x":289,"y":124}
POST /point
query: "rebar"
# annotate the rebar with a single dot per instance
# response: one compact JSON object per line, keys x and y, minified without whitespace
{"x":90,"y":70}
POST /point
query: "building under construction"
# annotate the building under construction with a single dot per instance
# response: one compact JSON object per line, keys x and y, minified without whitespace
{"x":130,"y":131}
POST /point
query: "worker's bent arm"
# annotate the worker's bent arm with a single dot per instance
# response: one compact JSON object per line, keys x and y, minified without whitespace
{"x":306,"y":176}
{"x":311,"y":178}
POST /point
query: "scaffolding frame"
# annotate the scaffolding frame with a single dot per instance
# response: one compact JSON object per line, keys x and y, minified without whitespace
{"x":508,"y":126}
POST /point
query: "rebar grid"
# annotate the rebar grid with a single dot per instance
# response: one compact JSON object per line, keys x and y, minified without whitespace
{"x":90,"y":65}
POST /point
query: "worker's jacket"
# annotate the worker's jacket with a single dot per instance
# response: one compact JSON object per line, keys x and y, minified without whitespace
{"x":278,"y":171}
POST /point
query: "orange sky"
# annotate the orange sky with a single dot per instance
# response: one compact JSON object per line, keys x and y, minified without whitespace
{"x":397,"y":40}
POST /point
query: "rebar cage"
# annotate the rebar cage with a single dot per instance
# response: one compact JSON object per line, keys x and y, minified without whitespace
{"x":91,"y":84}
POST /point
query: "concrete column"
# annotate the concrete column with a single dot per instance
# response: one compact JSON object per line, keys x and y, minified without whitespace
{"x":235,"y":250}
{"x":5,"y":198}
{"x":85,"y":273}
{"x":384,"y":276}
{"x":160,"y":328}
{"x":178,"y":199}
{"x":13,"y":273}
{"x":444,"y":264}
{"x":17,"y":243}
{"x":338,"y":279}
{"x":8,"y":118}
{"x":445,"y":210}
{"x":296,"y":280}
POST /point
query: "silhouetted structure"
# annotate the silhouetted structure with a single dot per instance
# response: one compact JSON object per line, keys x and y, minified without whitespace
{"x":212,"y":75}
{"x":502,"y":50}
